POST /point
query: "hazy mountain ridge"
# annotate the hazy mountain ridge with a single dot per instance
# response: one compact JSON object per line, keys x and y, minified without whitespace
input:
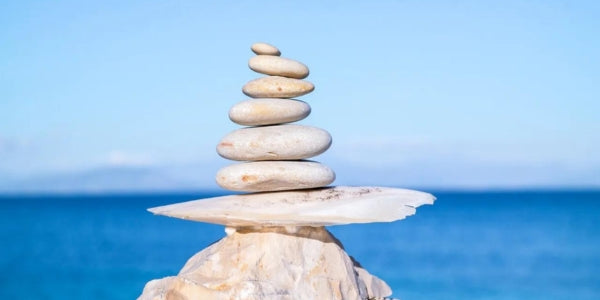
{"x":455,"y":175}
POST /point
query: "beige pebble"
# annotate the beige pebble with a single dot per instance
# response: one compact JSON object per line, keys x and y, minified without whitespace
{"x":278,"y":66}
{"x":278,"y":142}
{"x":263,"y":176}
{"x":265,"y":49}
{"x":268,"y":111}
{"x":277,"y":87}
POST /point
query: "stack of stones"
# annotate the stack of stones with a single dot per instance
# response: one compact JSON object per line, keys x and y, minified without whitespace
{"x":272,"y":150}
{"x":276,"y":245}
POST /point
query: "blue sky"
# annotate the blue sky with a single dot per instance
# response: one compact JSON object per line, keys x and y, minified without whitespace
{"x":118,"y":95}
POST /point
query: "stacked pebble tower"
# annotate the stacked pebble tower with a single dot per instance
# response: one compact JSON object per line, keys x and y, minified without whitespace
{"x":276,"y":245}
{"x":272,"y":150}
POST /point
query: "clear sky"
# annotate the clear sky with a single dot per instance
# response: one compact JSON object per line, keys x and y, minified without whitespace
{"x":101,"y":95}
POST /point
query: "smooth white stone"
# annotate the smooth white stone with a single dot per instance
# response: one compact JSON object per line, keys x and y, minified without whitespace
{"x":276,"y":142}
{"x":278,"y":66}
{"x":268,"y":111}
{"x":272,"y":263}
{"x":315,"y":207}
{"x":265,"y":49}
{"x":277,"y":87}
{"x":264,"y":176}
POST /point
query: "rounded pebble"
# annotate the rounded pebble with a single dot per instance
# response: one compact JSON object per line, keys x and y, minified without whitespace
{"x":278,"y":66}
{"x":268,"y":111}
{"x":264,"y":176}
{"x":265,"y":49}
{"x":278,"y":142}
{"x":277,"y":87}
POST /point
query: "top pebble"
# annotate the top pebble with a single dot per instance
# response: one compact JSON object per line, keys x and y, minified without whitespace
{"x":265,"y":49}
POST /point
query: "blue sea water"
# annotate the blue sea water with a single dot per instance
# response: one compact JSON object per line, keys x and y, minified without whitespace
{"x":469,"y":245}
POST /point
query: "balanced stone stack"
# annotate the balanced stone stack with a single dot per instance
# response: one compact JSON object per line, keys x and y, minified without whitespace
{"x":277,"y":246}
{"x":274,"y":151}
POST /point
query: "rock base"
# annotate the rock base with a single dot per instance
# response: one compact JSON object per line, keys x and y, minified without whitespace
{"x":271,"y":263}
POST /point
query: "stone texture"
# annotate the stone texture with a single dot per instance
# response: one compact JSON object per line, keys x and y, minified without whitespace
{"x":312,"y":207}
{"x":268,"y":111}
{"x":278,"y":66}
{"x":272,"y":263}
{"x":265,"y":49}
{"x":264,"y":176}
{"x":277,"y":87}
{"x":278,"y":142}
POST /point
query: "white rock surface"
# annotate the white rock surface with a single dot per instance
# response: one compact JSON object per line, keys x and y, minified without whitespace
{"x":268,"y":111}
{"x":277,"y":87}
{"x":264,"y":176}
{"x":315,"y":207}
{"x":278,"y":66}
{"x":277,"y":142}
{"x":265,"y":49}
{"x":307,"y":263}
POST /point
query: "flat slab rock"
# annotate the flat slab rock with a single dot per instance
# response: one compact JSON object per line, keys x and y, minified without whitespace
{"x":307,"y":263}
{"x":313,"y":207}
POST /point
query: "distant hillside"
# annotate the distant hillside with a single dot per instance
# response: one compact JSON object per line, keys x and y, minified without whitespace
{"x":418,"y":174}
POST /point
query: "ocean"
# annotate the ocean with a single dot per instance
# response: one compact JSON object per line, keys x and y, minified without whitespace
{"x":469,"y":245}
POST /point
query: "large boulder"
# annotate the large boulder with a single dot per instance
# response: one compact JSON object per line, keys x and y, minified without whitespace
{"x":270,"y":263}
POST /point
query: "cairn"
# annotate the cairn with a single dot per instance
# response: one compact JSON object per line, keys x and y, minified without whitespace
{"x":276,"y":245}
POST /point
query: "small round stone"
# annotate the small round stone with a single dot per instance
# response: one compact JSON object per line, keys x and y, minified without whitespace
{"x":268,"y":111}
{"x":278,"y":142}
{"x":264,"y":176}
{"x":265,"y":49}
{"x":278,"y":66}
{"x":277,"y":87}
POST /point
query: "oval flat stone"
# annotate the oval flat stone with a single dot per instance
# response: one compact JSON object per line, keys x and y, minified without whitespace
{"x":264,"y":176}
{"x":278,"y":142}
{"x":314,"y":207}
{"x":265,"y":49}
{"x":268,"y":111}
{"x":278,"y":66}
{"x":277,"y":87}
